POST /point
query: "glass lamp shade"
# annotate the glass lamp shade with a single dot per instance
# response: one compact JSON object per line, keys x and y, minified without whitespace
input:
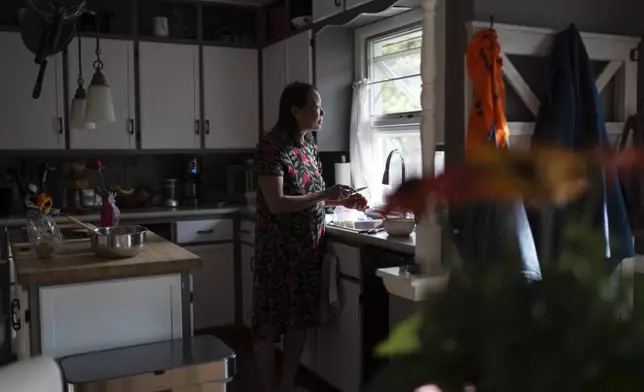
{"x":77,"y":115}
{"x":100,"y":108}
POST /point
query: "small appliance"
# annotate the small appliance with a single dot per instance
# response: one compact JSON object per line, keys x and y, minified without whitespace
{"x":241,"y":181}
{"x":193,"y":183}
{"x":171,"y":194}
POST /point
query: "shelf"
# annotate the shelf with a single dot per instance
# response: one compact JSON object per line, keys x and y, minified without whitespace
{"x":169,"y":40}
{"x":229,"y":24}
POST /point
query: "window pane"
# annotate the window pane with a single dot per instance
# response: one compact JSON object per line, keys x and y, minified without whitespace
{"x":409,"y":145}
{"x":395,"y":96}
{"x":394,"y":71}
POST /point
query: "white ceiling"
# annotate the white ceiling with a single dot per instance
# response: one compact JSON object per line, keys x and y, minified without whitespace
{"x":243,"y":2}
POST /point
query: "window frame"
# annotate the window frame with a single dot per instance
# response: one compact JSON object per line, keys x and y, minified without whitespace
{"x":406,"y":21}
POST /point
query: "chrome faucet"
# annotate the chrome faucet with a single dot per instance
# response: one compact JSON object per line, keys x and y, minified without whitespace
{"x":385,"y":176}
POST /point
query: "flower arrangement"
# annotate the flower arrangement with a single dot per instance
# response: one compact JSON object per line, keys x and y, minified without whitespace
{"x":491,"y":329}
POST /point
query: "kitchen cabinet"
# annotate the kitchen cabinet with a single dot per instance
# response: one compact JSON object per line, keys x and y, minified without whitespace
{"x":284,"y":62}
{"x":355,"y":3}
{"x":214,"y":286}
{"x":247,"y":259}
{"x":169,"y":96}
{"x":118,"y":60}
{"x":27,"y":123}
{"x":114,"y":313}
{"x":339,"y":347}
{"x":323,"y":9}
{"x":230,"y":89}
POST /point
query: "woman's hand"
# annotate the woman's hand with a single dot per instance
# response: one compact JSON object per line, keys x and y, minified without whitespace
{"x":337,"y":192}
{"x":356,"y":202}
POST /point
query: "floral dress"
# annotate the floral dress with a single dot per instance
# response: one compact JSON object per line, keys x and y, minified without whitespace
{"x":288,"y":247}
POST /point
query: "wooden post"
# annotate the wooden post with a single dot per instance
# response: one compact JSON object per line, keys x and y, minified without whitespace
{"x":428,"y":243}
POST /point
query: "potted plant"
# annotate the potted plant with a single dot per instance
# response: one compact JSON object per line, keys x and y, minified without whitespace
{"x":491,"y":329}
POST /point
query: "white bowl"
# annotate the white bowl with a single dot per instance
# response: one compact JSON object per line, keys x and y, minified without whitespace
{"x":399,"y":227}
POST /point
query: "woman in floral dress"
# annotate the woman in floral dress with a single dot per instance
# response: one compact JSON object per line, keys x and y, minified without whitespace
{"x":289,"y":234}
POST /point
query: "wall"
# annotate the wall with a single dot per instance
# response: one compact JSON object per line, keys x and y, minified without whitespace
{"x":334,"y":78}
{"x":598,"y":16}
{"x":621,"y":17}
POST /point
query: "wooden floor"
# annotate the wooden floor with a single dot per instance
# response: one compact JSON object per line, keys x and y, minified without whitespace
{"x":247,"y":376}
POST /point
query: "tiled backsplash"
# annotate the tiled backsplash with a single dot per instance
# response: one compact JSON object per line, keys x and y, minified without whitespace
{"x":141,"y":170}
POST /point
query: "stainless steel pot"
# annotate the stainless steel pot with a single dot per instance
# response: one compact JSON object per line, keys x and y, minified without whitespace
{"x":119,"y":242}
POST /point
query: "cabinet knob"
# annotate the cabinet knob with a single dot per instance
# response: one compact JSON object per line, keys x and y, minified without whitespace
{"x":197,"y":127}
{"x":337,"y":3}
{"x":60,"y":125}
{"x":252,"y":263}
{"x":207,"y":127}
{"x":131,"y":130}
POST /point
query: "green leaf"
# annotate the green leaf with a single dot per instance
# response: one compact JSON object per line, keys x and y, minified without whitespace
{"x":403,"y":338}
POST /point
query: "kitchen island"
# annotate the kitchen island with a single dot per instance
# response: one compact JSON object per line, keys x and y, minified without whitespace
{"x":76,"y":302}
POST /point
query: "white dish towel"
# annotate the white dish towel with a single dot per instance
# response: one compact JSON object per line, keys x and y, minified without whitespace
{"x":330,"y":304}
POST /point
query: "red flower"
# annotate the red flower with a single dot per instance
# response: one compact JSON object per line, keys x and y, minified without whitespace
{"x":317,"y":173}
{"x":95,"y":164}
{"x":306,"y":178}
{"x":296,"y":151}
{"x":291,"y":171}
{"x":304,"y":158}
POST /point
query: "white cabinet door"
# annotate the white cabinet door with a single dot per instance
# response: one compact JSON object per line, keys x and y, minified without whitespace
{"x":231,"y":106}
{"x":323,"y":9}
{"x":274,"y":81}
{"x":214,"y":286}
{"x":338,"y":346}
{"x":356,"y":3}
{"x":299,"y":64}
{"x":27,"y":123}
{"x":169,"y":81}
{"x":118,"y":59}
{"x":248,"y":257}
{"x":84,"y":317}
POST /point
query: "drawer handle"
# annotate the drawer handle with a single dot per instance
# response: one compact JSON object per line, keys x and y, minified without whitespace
{"x":252,"y":263}
{"x":246,"y":232}
{"x":206,"y":231}
{"x":337,"y":3}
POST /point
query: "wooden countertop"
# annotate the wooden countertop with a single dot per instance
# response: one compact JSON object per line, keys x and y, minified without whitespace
{"x":76,"y":263}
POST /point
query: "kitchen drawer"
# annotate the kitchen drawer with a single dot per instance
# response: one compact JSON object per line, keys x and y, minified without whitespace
{"x":204,"y":231}
{"x":247,"y":232}
{"x":348,"y":258}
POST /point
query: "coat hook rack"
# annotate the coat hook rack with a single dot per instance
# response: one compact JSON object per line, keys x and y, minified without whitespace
{"x":492,"y":21}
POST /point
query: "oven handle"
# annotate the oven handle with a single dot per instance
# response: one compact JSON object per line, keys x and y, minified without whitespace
{"x":15,"y":315}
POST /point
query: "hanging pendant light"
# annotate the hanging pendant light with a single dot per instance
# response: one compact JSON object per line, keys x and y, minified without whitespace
{"x":100,"y":108}
{"x":79,"y":103}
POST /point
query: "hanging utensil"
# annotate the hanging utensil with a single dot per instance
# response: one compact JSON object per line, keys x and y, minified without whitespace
{"x":46,"y":28}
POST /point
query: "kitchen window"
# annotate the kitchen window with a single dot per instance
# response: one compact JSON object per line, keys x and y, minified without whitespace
{"x":394,"y":75}
{"x":392,"y":66}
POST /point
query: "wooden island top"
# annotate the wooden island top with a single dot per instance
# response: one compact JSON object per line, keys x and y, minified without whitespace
{"x":75,"y":263}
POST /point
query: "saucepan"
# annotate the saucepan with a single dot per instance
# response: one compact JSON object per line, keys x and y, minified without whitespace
{"x":116,"y":242}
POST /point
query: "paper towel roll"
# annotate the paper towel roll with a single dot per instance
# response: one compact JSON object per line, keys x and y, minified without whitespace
{"x":40,"y":374}
{"x":343,"y":173}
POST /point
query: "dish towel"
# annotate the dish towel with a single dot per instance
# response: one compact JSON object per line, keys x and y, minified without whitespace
{"x":330,"y":306}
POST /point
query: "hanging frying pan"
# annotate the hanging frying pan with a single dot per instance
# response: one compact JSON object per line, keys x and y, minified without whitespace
{"x":46,"y":28}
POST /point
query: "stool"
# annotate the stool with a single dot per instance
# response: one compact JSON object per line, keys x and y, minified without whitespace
{"x":198,"y":364}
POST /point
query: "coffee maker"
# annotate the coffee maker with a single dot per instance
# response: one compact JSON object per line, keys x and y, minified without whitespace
{"x":192,"y":183}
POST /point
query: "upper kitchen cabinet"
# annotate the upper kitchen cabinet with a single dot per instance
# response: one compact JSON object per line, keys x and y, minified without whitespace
{"x":169,"y":96}
{"x":323,"y":9}
{"x":284,"y":62}
{"x":27,"y":123}
{"x":118,"y":60}
{"x":230,"y":92}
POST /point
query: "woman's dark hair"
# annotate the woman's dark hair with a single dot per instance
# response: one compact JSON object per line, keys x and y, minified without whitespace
{"x":294,"y":94}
